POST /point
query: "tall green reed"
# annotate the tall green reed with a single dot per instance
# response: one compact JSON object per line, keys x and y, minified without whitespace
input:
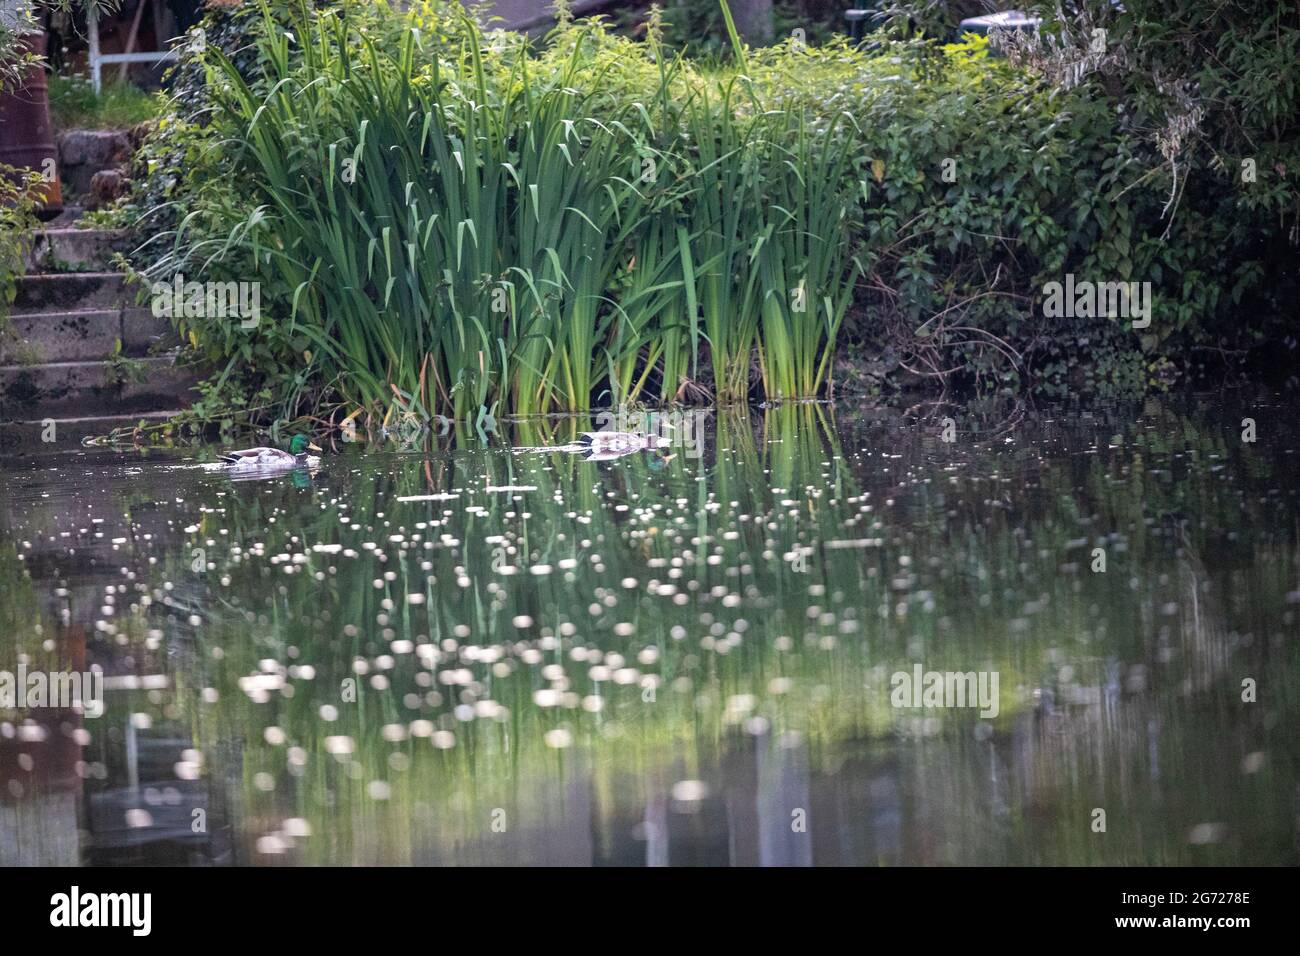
{"x":468,"y":226}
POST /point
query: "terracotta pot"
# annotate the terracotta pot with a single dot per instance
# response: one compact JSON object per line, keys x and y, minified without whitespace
{"x":26,"y":134}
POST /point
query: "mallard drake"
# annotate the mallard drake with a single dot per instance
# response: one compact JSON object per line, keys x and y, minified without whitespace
{"x":273,"y":459}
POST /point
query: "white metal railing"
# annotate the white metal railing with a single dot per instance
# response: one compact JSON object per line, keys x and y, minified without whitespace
{"x":97,"y":59}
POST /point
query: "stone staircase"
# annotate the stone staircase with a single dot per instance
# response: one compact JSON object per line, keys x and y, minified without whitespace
{"x":77,"y":349}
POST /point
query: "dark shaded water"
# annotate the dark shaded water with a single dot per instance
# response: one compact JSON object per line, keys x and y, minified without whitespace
{"x":478,"y":657}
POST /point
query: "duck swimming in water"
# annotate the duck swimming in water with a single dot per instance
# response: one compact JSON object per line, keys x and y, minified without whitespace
{"x":606,"y":445}
{"x":264,"y":459}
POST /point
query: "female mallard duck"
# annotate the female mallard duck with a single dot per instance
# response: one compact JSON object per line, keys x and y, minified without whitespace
{"x":604,"y":445}
{"x":637,"y":440}
{"x":273,"y":459}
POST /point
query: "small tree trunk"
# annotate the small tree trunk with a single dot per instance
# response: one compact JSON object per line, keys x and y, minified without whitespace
{"x":753,"y":20}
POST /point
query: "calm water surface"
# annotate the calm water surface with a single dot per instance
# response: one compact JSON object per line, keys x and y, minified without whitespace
{"x":474,"y":656}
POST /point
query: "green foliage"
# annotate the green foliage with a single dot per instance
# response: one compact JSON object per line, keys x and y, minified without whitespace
{"x":15,"y":58}
{"x":446,"y":220}
{"x":1193,"y":187}
{"x":19,"y":200}
{"x":975,"y":180}
{"x":18,"y":187}
{"x":698,"y":29}
{"x":180,"y":165}
{"x":123,"y":369}
{"x":74,"y":104}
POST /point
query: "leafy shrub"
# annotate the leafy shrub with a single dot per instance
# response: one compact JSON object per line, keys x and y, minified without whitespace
{"x":20,"y":190}
{"x":1195,"y":188}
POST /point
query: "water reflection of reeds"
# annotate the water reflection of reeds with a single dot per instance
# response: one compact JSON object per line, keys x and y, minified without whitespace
{"x":567,"y":662}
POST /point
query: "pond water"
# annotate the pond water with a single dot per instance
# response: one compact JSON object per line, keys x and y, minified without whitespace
{"x":473,"y":656}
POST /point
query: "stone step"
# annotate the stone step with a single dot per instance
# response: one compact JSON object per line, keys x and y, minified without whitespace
{"x":71,"y":213}
{"x":84,"y":152}
{"x":30,"y":392}
{"x":75,"y":291}
{"x":34,"y":338}
{"x":144,"y":333}
{"x":67,"y":434}
{"x":73,"y":250}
